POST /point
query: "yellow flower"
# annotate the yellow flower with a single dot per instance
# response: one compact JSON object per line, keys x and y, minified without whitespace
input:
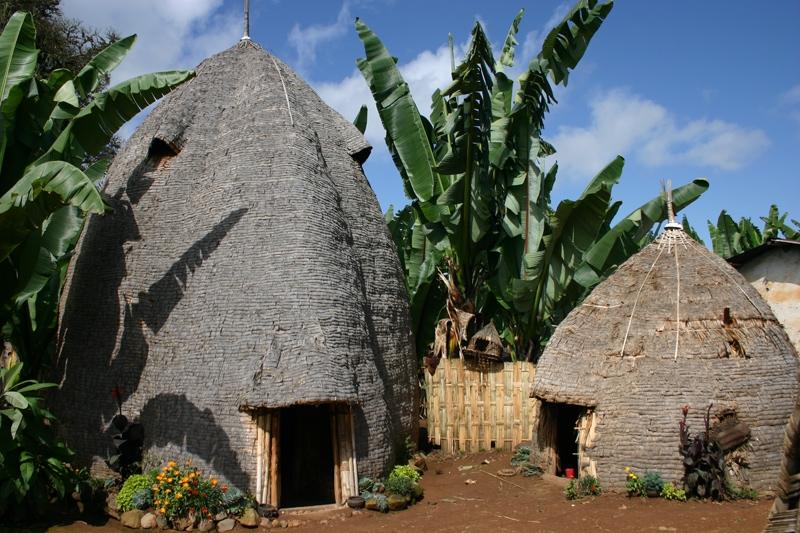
{"x":163,"y":510}
{"x":214,"y":482}
{"x":165,"y":468}
{"x":184,"y":479}
{"x":178,"y":495}
{"x":191,"y":475}
{"x":168,"y":491}
{"x":171,"y":464}
{"x":627,"y":469}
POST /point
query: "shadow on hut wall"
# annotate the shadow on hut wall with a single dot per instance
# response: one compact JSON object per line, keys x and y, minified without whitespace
{"x":89,"y":362}
{"x":172,"y":421}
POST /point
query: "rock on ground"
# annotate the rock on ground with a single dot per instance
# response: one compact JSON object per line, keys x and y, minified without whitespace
{"x":226,"y":525}
{"x":132,"y":519}
{"x":148,"y":521}
{"x":250,"y":518}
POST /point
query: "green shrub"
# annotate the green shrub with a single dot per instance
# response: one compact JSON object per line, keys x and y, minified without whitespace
{"x":405,"y":471}
{"x":133,"y":486}
{"x":580,"y":488}
{"x":741,"y":493}
{"x":671,"y":492}
{"x":403,"y":481}
{"x":652,"y":483}
{"x":235,"y":501}
{"x":34,"y":469}
{"x":633,"y":483}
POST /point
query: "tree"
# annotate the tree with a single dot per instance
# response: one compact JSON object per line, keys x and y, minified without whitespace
{"x":729,"y":238}
{"x":49,"y":129}
{"x":62,"y":42}
{"x":480,"y":210}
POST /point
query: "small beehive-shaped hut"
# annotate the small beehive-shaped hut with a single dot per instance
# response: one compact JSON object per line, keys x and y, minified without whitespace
{"x":674,"y":326}
{"x":244,"y":294}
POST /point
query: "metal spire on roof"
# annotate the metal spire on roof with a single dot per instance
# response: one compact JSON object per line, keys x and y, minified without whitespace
{"x":246,"y":36}
{"x":667,"y":188}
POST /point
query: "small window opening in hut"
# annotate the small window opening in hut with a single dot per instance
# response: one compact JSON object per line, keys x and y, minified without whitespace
{"x":306,"y":457}
{"x":161,"y":152}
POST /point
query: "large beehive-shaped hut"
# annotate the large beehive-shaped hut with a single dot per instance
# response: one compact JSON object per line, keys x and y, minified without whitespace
{"x":244,"y":295}
{"x":675,"y":325}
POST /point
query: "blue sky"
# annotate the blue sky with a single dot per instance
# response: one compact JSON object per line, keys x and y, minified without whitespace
{"x":681,"y":89}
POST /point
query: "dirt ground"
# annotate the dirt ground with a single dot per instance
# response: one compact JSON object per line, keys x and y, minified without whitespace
{"x":516,"y":504}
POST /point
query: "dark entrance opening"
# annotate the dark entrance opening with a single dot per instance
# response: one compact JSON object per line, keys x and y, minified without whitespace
{"x":566,"y":437}
{"x":306,"y":456}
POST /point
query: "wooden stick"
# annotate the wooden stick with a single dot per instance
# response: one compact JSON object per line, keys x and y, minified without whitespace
{"x":259,"y":456}
{"x":501,"y":479}
{"x":274,"y":488}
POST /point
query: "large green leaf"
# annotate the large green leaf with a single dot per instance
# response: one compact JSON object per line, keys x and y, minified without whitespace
{"x":360,"y":121}
{"x":101,"y":65}
{"x":44,"y":251}
{"x":43,"y":189}
{"x":18,"y":52}
{"x":18,"y":55}
{"x":398,"y":113}
{"x":91,"y":129}
{"x":623,"y":240}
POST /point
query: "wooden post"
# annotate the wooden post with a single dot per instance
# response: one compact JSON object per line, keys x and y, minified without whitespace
{"x":274,"y":477}
{"x":259,"y":456}
{"x":354,"y":470}
{"x":267,"y":461}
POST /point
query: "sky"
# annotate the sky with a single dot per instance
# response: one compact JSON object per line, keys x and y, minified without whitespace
{"x":681,"y":89}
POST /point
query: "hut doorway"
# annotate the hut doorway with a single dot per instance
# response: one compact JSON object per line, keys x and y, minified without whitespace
{"x":562,"y":437}
{"x":305,"y":455}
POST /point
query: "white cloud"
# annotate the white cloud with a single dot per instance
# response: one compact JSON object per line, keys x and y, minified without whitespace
{"x":627,"y":124}
{"x":171,"y":33}
{"x":425,"y":73}
{"x":790,"y":103}
{"x":306,"y":40}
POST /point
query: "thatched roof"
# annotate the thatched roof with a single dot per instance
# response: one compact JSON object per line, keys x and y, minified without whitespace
{"x":246,"y":263}
{"x":674,"y":325}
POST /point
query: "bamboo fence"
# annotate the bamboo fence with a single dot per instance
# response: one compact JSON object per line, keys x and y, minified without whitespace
{"x":472,"y":408}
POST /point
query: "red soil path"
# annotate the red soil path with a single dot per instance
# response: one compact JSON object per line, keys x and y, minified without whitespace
{"x":492,"y":505}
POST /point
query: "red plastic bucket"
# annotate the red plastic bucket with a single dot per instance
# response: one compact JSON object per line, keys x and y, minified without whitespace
{"x":570,"y":473}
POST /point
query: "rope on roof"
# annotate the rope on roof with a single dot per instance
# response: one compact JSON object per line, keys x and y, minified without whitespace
{"x":636,"y":301}
{"x":286,"y":94}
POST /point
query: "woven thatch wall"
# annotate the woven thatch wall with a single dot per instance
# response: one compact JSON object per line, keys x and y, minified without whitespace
{"x":246,"y":265}
{"x":617,"y":352}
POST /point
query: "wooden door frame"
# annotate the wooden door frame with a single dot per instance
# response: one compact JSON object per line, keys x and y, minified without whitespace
{"x":343,"y":444}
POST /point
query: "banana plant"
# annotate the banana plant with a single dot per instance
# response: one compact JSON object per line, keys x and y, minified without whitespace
{"x":480,"y":206}
{"x":50,"y":132}
{"x":729,"y":238}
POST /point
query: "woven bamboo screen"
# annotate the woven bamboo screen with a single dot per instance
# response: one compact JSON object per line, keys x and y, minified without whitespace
{"x":472,"y":408}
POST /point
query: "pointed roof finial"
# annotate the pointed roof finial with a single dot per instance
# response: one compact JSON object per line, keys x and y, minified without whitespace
{"x":666,"y":186}
{"x":246,"y":36}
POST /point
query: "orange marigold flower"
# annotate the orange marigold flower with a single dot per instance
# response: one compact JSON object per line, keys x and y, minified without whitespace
{"x":214,"y":482}
{"x":185,"y":485}
{"x":178,"y":495}
{"x":163,"y":510}
{"x":171,"y":464}
{"x":168,"y":491}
